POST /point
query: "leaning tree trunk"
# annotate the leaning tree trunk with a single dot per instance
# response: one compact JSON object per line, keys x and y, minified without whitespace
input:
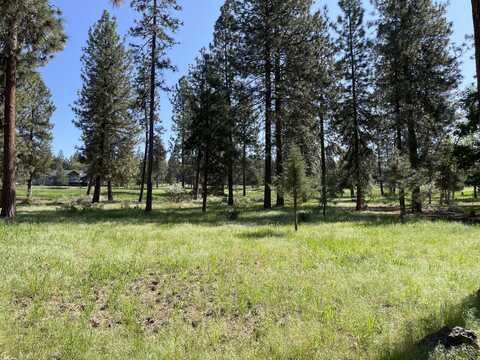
{"x":476,"y":28}
{"x":97,"y":190}
{"x":149,"y":204}
{"x":9,"y":129}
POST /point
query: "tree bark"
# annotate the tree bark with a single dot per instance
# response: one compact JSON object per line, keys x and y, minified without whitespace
{"x":197,"y":177}
{"x":414,"y":161}
{"x":9,"y":128}
{"x":356,"y":134}
{"x":244,"y":169}
{"x":89,"y":187}
{"x":476,"y":29}
{"x":144,"y":165}
{"x":475,"y":195}
{"x":109,"y":190}
{"x":267,"y":201}
{"x":149,"y":204}
{"x":380,"y":172}
{"x":278,"y":128}
{"x":324,"y":166}
{"x":295,"y":200}
{"x":97,"y":190}
{"x":29,"y":187}
{"x":205,"y":179}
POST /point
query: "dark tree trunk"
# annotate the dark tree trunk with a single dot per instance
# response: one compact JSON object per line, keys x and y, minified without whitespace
{"x":149,"y":204}
{"x":29,"y":187}
{"x":278,"y":128}
{"x":97,"y":190}
{"x":356,"y":134}
{"x":476,"y":28}
{"x":267,"y":201}
{"x":399,"y":144}
{"x":183,"y":163}
{"x":145,"y":156}
{"x":414,"y":161}
{"x":380,"y":172}
{"x":109,"y":191}
{"x":324,"y":166}
{"x":475,"y":195}
{"x":244,"y":169}
{"x":196,"y":185}
{"x":89,"y":187}
{"x":205,"y":179}
{"x":295,"y":201}
{"x":9,"y":129}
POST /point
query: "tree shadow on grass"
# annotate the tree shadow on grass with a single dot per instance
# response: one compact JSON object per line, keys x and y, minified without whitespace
{"x":433,"y":329}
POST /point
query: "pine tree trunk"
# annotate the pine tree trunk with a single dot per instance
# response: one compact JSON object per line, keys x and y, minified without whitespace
{"x":144,"y":164}
{"x":413,"y":154}
{"x":295,"y":208}
{"x":324,"y":165}
{"x":197,"y":177}
{"x":278,"y":128}
{"x":109,"y":191}
{"x":475,"y":195}
{"x":182,"y":163}
{"x":29,"y":187}
{"x":205,"y":179}
{"x":97,"y":190}
{"x":89,"y":187}
{"x":476,"y":28}
{"x":267,"y":201}
{"x":244,"y":169}
{"x":153,"y":65}
{"x":9,"y":128}
{"x":380,"y":172}
{"x":356,"y":134}
{"x":399,"y":143}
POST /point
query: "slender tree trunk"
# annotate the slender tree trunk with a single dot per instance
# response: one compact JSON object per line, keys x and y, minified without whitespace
{"x":29,"y":187}
{"x":89,"y":187}
{"x":149,"y":204}
{"x":267,"y":201}
{"x":97,"y":190}
{"x":205,"y":179}
{"x":197,"y":177}
{"x":110,"y":190}
{"x":295,"y":201}
{"x":324,"y":165}
{"x":9,"y":128}
{"x":413,"y":155}
{"x":356,"y":134}
{"x":380,"y":172}
{"x":476,"y":28}
{"x":278,"y":127}
{"x":399,"y":143}
{"x":183,"y":162}
{"x":475,"y":195}
{"x":144,"y":164}
{"x":244,"y":169}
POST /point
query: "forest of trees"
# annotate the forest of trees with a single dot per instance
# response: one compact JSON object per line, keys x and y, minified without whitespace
{"x":353,"y":103}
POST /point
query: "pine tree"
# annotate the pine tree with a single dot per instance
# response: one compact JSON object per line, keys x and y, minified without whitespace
{"x":476,"y":29}
{"x":417,"y":72}
{"x":103,"y":108}
{"x":354,"y":65}
{"x":154,"y":28}
{"x":30,"y":31}
{"x":34,"y":128}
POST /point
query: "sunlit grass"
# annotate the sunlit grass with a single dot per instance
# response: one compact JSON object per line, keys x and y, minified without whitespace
{"x":115,"y":283}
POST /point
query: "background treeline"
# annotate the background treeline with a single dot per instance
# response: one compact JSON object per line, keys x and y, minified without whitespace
{"x":358,"y":103}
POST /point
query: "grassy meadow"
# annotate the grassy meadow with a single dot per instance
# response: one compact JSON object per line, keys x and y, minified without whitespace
{"x":110,"y":282}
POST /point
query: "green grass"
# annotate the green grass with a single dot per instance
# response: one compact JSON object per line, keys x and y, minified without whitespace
{"x":114,"y":283}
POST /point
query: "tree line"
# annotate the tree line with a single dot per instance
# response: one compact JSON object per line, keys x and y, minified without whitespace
{"x":284,"y":96}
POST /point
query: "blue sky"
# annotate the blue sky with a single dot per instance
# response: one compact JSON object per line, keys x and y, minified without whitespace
{"x":62,"y":75}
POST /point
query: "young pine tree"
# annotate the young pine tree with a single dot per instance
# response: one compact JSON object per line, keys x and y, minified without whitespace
{"x":295,"y":180}
{"x":34,"y":128}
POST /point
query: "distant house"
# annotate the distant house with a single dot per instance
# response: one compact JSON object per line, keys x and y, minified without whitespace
{"x":72,"y":177}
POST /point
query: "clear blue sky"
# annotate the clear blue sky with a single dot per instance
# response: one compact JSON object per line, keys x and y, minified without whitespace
{"x":62,"y":75}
